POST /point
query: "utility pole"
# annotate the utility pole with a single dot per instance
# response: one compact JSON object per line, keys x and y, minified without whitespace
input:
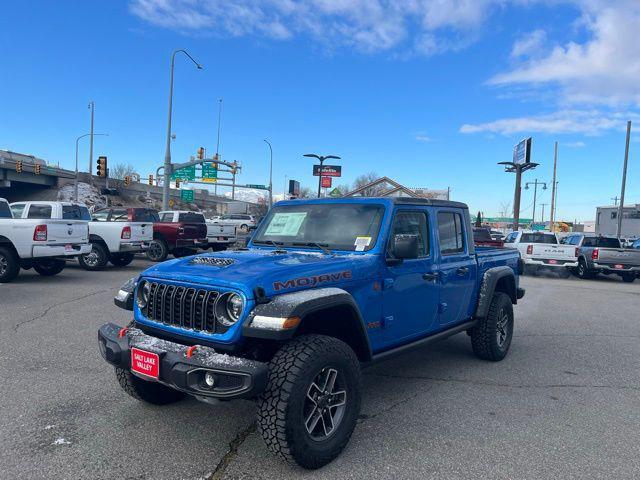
{"x":554,"y":184}
{"x":543,"y":205}
{"x":270,"y":173}
{"x":615,"y":200}
{"x":535,"y":194}
{"x":624,"y":181}
{"x":284,"y":192}
{"x":91,"y":107}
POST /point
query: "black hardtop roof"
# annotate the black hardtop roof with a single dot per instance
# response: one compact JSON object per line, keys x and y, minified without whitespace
{"x":428,"y":201}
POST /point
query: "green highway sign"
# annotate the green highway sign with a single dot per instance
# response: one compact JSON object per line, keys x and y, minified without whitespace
{"x":209,"y":172}
{"x":187,"y":195}
{"x":335,"y":193}
{"x":259,"y":187}
{"x":186,"y":173}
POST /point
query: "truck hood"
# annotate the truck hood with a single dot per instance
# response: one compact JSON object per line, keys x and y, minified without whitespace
{"x":276,"y":271}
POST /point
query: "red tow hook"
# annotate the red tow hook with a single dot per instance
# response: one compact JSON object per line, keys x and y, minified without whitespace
{"x":190,"y":351}
{"x":122,"y":332}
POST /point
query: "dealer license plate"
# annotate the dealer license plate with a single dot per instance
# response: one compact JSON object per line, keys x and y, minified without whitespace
{"x":553,"y":262}
{"x":68,"y":248}
{"x":221,"y":239}
{"x":618,"y":266}
{"x":145,"y":363}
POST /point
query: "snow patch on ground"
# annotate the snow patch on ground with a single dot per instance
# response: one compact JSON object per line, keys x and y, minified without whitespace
{"x":49,"y":427}
{"x":61,"y":441}
{"x":86,"y":194}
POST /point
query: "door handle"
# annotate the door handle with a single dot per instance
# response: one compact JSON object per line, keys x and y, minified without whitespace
{"x":430,"y":276}
{"x":462,"y":271}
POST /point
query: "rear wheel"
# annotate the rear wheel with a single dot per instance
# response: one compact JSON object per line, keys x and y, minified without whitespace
{"x":121,"y":259}
{"x":583,"y":272}
{"x":96,"y":259}
{"x":149,"y":392}
{"x":628,"y":277}
{"x":158,"y":250}
{"x":48,"y":267}
{"x":491,"y":337}
{"x":309,"y":409}
{"x":564,"y":273}
{"x":9,"y":265}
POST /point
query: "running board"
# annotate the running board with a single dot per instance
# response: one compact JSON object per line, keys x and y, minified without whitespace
{"x":423,"y":341}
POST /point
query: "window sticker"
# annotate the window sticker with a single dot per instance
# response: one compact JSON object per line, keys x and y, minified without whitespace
{"x":361,"y":243}
{"x":286,"y":224}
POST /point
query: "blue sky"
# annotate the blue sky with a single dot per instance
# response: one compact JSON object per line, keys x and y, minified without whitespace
{"x":432,"y":93}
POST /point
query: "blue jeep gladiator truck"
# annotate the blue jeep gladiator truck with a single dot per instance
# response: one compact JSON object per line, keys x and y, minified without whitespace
{"x":323,"y":288}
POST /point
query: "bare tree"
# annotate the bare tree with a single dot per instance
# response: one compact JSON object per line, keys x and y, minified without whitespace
{"x":505,"y":209}
{"x":305,"y":192}
{"x":366,"y":179}
{"x":120,"y":170}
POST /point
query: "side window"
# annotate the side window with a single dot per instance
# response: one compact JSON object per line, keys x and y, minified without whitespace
{"x":511,"y":237}
{"x":450,"y":233}
{"x":17,"y":209}
{"x":100,"y":215}
{"x":167,"y":217}
{"x":412,"y":223}
{"x":119,"y":215}
{"x":39,"y":211}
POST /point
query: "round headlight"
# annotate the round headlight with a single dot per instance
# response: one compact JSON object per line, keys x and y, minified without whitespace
{"x":234,"y":306}
{"x":142,"y":298}
{"x":229,"y":309}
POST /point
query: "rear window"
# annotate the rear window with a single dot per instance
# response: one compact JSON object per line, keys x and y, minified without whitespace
{"x":120,"y":215}
{"x":39,"y":211}
{"x":5,"y":211}
{"x":482,"y":234}
{"x":538,"y":238}
{"x":75,"y":212}
{"x":191,"y":217}
{"x":145,"y":215}
{"x":604,"y":242}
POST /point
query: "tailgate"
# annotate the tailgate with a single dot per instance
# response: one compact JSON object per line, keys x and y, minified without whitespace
{"x":627,"y":257}
{"x":61,"y":232}
{"x":214,"y":230}
{"x":544,"y":251}
{"x":194,"y":230}
{"x":141,"y":232}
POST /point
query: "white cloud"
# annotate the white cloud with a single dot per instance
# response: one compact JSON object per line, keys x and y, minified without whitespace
{"x":421,"y":27}
{"x":529,"y":45}
{"x":574,"y":144}
{"x":586,"y":122}
{"x":421,"y":137}
{"x":604,"y":69}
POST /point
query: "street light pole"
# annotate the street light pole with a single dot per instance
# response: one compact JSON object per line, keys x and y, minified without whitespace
{"x":92,"y":108}
{"x":284,"y":192}
{"x":321,"y":159}
{"x":517,"y":168}
{"x":270,"y":174}
{"x":75,"y":182}
{"x":535,"y":194}
{"x":167,"y":156}
{"x":624,"y":181}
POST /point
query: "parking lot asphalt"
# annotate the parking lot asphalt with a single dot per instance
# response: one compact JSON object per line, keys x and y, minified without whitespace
{"x":564,"y":404}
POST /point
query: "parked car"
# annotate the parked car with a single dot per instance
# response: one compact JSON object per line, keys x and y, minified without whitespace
{"x":482,"y":238}
{"x":35,"y":241}
{"x":541,"y":250}
{"x":178,"y":232}
{"x":600,"y":254}
{"x":241,"y":220}
{"x":220,"y":235}
{"x":326,"y":285}
{"x":636,"y":244}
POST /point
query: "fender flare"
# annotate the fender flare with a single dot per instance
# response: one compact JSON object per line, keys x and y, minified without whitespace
{"x":488,"y":287}
{"x":302,"y":304}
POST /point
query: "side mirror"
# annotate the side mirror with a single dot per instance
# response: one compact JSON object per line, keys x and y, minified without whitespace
{"x":405,"y":246}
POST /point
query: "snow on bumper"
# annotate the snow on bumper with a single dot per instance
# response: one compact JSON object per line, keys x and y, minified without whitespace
{"x":133,"y":246}
{"x":68,"y":250}
{"x":552,"y":263}
{"x":235,"y":377}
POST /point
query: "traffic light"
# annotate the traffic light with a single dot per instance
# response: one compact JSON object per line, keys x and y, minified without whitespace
{"x":127,"y":181}
{"x":151,"y":180}
{"x":102,"y":166}
{"x":36,"y":169}
{"x":201,"y":153}
{"x":19,"y":166}
{"x":177,"y":183}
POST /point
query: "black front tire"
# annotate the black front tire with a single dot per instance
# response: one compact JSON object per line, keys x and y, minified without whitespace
{"x":158,"y":250}
{"x":49,"y":267}
{"x":9,"y":265}
{"x":583,"y":271}
{"x":96,"y":259}
{"x":491,"y":337}
{"x":283,"y":408}
{"x":628,"y":277}
{"x":121,"y":259}
{"x":144,"y":391}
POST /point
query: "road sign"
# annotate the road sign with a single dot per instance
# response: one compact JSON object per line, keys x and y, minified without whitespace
{"x":186,"y":173}
{"x":325,"y":182}
{"x":327,"y":171}
{"x":187,"y":195}
{"x":522,"y":152}
{"x":210,"y":172}
{"x":259,"y":187}
{"x":172,"y":202}
{"x":335,"y":193}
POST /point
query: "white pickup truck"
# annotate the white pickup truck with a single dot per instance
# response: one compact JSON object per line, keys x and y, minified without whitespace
{"x":541,"y":250}
{"x":114,"y":233}
{"x":220,"y":235}
{"x":42,"y":244}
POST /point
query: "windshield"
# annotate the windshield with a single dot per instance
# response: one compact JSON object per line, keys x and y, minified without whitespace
{"x":5,"y":212}
{"x":538,"y":238}
{"x":352,"y":227}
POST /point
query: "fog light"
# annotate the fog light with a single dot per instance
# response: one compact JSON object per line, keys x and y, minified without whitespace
{"x":209,"y":379}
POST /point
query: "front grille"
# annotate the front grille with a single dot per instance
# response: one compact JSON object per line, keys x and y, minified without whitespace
{"x":182,"y":306}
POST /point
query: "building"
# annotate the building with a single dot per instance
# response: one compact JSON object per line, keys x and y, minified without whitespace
{"x":386,"y":187}
{"x":607,"y":221}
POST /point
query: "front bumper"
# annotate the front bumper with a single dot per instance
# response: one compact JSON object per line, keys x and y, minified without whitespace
{"x":236,"y":377}
{"x":133,"y":247}
{"x":65,"y":250}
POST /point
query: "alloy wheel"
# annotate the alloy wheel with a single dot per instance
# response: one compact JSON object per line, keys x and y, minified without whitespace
{"x":325,"y":404}
{"x":502,"y":328}
{"x":4,"y":265}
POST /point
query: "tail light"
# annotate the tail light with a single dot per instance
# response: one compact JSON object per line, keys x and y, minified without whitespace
{"x":126,"y":233}
{"x":40,"y":233}
{"x":594,"y":254}
{"x":529,"y":249}
{"x":577,"y":252}
{"x":180,"y":231}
